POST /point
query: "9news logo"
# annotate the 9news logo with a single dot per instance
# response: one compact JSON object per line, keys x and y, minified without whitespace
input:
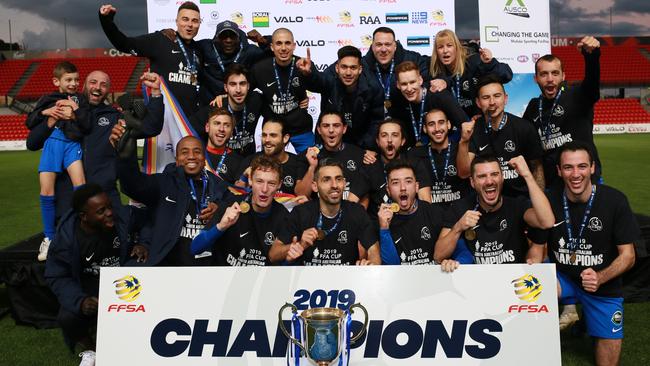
{"x":527,"y":288}
{"x":127,"y":289}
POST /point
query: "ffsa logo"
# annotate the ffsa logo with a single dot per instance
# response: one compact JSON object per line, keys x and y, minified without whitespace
{"x":127,"y":289}
{"x":527,"y":288}
{"x":518,"y":9}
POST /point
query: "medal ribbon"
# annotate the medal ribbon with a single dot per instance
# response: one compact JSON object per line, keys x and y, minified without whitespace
{"x":191,"y":64}
{"x":319,"y":224}
{"x":417,"y":125}
{"x":386,"y":86}
{"x":244,"y":117}
{"x":456,"y":89}
{"x":295,"y":321}
{"x":433,"y":163}
{"x":277,"y":78}
{"x":567,"y":218}
{"x":204,"y":199}
{"x":546,"y":127}
{"x":223,"y":69}
{"x":488,"y":125}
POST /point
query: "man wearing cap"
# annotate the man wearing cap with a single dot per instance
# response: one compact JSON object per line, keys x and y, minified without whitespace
{"x":228,"y":46}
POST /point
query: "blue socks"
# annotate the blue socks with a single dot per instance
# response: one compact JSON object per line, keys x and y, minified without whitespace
{"x":48,"y":212}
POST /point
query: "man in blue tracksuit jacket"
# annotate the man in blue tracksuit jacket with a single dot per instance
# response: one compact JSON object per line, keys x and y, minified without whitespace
{"x":91,"y":235}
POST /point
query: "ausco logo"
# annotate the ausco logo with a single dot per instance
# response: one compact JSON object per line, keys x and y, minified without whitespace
{"x":519,"y":10}
{"x":261,"y":19}
{"x":397,"y":17}
{"x":418,"y":41}
{"x":462,"y":338}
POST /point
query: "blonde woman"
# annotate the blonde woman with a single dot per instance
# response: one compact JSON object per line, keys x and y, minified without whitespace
{"x":452,"y":68}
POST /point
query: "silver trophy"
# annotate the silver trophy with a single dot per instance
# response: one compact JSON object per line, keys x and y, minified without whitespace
{"x":322,"y":332}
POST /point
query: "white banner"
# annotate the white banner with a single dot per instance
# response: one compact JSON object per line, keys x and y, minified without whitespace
{"x":480,"y":314}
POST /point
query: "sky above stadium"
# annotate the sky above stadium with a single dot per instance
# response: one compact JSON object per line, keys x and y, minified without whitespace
{"x":39,"y":25}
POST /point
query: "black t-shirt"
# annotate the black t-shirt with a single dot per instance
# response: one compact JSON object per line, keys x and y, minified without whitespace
{"x":340,"y":246}
{"x":228,"y":170}
{"x":248,"y":241}
{"x":181,"y":255}
{"x":292,"y":171}
{"x":351,"y":157}
{"x":572,"y":119}
{"x":276,"y":100}
{"x":517,"y":137}
{"x":415,"y":235}
{"x":500,"y":235}
{"x":97,"y":250}
{"x":378,"y":185}
{"x":610,"y":223}
{"x":243,"y":135}
{"x":447,"y":186}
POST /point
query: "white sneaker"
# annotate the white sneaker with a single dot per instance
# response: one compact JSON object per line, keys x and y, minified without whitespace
{"x":42,"y":250}
{"x":568,"y":318}
{"x":87,"y":358}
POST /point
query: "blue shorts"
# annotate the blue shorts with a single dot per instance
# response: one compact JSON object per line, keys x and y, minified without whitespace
{"x":303,"y":141}
{"x":58,"y":153}
{"x":603,"y":315}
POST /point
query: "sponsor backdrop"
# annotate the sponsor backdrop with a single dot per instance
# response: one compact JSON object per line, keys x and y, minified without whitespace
{"x":322,"y":25}
{"x":518,"y":33}
{"x":480,"y":314}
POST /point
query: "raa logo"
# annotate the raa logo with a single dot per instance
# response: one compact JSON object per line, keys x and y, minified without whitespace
{"x":127,"y":288}
{"x":519,"y":9}
{"x":527,"y":288}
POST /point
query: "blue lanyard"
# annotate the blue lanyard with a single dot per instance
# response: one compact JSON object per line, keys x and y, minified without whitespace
{"x":223,"y":68}
{"x":204,"y":198}
{"x":456,"y":89}
{"x":567,"y":218}
{"x":546,"y":127}
{"x":488,"y":125}
{"x":319,"y":224}
{"x":191,"y":64}
{"x":417,"y":125}
{"x":433,"y":163}
{"x":277,"y":78}
{"x":244,"y":116}
{"x":386,"y":86}
{"x":223,"y":158}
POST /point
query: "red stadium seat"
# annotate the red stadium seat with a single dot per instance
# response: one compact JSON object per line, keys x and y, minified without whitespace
{"x":620,"y":111}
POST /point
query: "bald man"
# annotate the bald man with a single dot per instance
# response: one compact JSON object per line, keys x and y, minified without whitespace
{"x":283,"y":88}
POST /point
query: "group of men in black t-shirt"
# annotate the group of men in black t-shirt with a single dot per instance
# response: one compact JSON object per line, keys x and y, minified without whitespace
{"x":396,"y":173}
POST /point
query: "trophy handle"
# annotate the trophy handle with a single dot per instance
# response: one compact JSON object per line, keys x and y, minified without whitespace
{"x":284,"y":330}
{"x":365,"y":322}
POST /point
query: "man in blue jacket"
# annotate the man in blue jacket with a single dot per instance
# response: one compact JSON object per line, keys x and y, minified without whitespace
{"x":180,"y":201}
{"x":90,"y":236}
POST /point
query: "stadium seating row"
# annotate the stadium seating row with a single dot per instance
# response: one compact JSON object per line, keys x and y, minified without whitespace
{"x":619,"y":65}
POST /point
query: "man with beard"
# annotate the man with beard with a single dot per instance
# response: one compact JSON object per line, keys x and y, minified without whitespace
{"x":242,"y":238}
{"x":324,"y":231}
{"x":500,"y":134}
{"x":228,"y":47}
{"x":180,"y":200}
{"x":494,"y":225}
{"x":92,"y":235}
{"x":178,"y":62}
{"x":562,"y":113}
{"x":390,"y":140}
{"x":345,"y":88}
{"x":591,"y":246}
{"x":382,"y":58}
{"x":331,"y":127}
{"x":439,"y":156}
{"x":283,"y":88}
{"x":224,"y":161}
{"x":414,"y":101}
{"x":274,"y":140}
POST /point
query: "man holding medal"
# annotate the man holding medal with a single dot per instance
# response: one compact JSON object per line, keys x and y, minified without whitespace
{"x":178,"y":62}
{"x":414,"y":101}
{"x":494,"y":225}
{"x":241,"y":233}
{"x":283,"y":89}
{"x":592,"y":246}
{"x":222,"y":159}
{"x":408,"y":227}
{"x":439,"y":156}
{"x":329,"y":230}
{"x":180,"y":200}
{"x":561,"y":113}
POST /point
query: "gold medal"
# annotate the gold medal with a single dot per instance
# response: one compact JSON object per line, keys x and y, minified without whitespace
{"x":572,"y":259}
{"x":470,"y":234}
{"x":316,"y":150}
{"x":387,"y":104}
{"x":394,"y":207}
{"x":244,"y":207}
{"x":320,"y":235}
{"x":193,"y":79}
